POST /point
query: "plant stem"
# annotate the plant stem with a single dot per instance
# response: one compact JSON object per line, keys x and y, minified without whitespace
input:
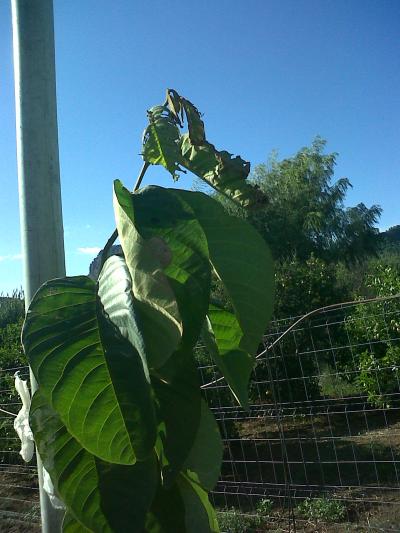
{"x":114,"y":235}
{"x":141,"y":176}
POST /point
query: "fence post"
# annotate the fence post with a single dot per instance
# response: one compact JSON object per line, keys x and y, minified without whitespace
{"x":42,"y":238}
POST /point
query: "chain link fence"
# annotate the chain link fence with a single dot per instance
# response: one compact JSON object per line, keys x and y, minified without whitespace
{"x":319,"y":448}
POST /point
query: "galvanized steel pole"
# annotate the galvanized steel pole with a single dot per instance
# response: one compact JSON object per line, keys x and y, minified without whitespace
{"x":38,"y":166}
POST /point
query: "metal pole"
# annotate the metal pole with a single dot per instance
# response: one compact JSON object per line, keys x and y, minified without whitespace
{"x":38,"y":166}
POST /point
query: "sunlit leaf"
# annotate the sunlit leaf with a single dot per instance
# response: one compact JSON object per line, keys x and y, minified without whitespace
{"x":70,"y":525}
{"x":161,"y":214}
{"x":115,"y":293}
{"x":161,"y":139}
{"x":88,"y":373}
{"x":155,"y":299}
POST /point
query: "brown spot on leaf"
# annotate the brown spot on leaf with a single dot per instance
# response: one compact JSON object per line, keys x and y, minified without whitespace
{"x":161,"y":250}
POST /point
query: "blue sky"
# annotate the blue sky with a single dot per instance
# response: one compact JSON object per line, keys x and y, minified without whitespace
{"x":266,"y":74}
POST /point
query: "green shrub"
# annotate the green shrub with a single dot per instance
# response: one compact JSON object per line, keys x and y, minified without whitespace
{"x":379,"y":376}
{"x":11,"y":356}
{"x":233,"y":521}
{"x":334,"y":385}
{"x":11,"y":308}
{"x":11,"y":352}
{"x":375,"y":329}
{"x":302,"y":286}
{"x":264,"y":507}
{"x":324,"y":509}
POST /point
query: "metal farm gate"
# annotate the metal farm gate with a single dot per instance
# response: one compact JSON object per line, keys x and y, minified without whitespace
{"x":319,"y":449}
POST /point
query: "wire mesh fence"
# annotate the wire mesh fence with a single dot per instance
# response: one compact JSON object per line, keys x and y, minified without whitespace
{"x":19,"y":493}
{"x":319,"y":448}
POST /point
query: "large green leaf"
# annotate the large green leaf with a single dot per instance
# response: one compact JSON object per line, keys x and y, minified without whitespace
{"x":243,"y":263}
{"x":101,"y":496}
{"x":155,"y":300}
{"x":89,"y":374}
{"x":222,"y":337}
{"x":167,"y":512}
{"x":184,"y":507}
{"x":115,"y":293}
{"x":200,"y":514}
{"x":159,"y":213}
{"x":205,"y":457}
{"x":177,"y":388}
{"x":226,"y":174}
{"x":70,"y":525}
{"x":161,"y":140}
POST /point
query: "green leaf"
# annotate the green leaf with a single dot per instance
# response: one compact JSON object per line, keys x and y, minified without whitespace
{"x":161,"y":140}
{"x":89,"y":374}
{"x":206,"y":454}
{"x":127,"y":493}
{"x":115,"y":293}
{"x":70,"y":525}
{"x":167,"y":513}
{"x":200,"y":514}
{"x":179,"y":107}
{"x":177,"y":388}
{"x":163,"y":145}
{"x":226,"y":174}
{"x":195,"y":124}
{"x":161,"y":214}
{"x":155,"y":300}
{"x":98,"y":495}
{"x":243,"y":263}
{"x":184,"y":507}
{"x":175,"y":106}
{"x":222,"y":336}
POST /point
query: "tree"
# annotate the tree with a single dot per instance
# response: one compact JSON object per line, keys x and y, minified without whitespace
{"x":392,"y":235}
{"x":305,"y":213}
{"x":301,"y":286}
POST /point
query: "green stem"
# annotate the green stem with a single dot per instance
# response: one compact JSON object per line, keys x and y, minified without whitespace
{"x":114,"y":235}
